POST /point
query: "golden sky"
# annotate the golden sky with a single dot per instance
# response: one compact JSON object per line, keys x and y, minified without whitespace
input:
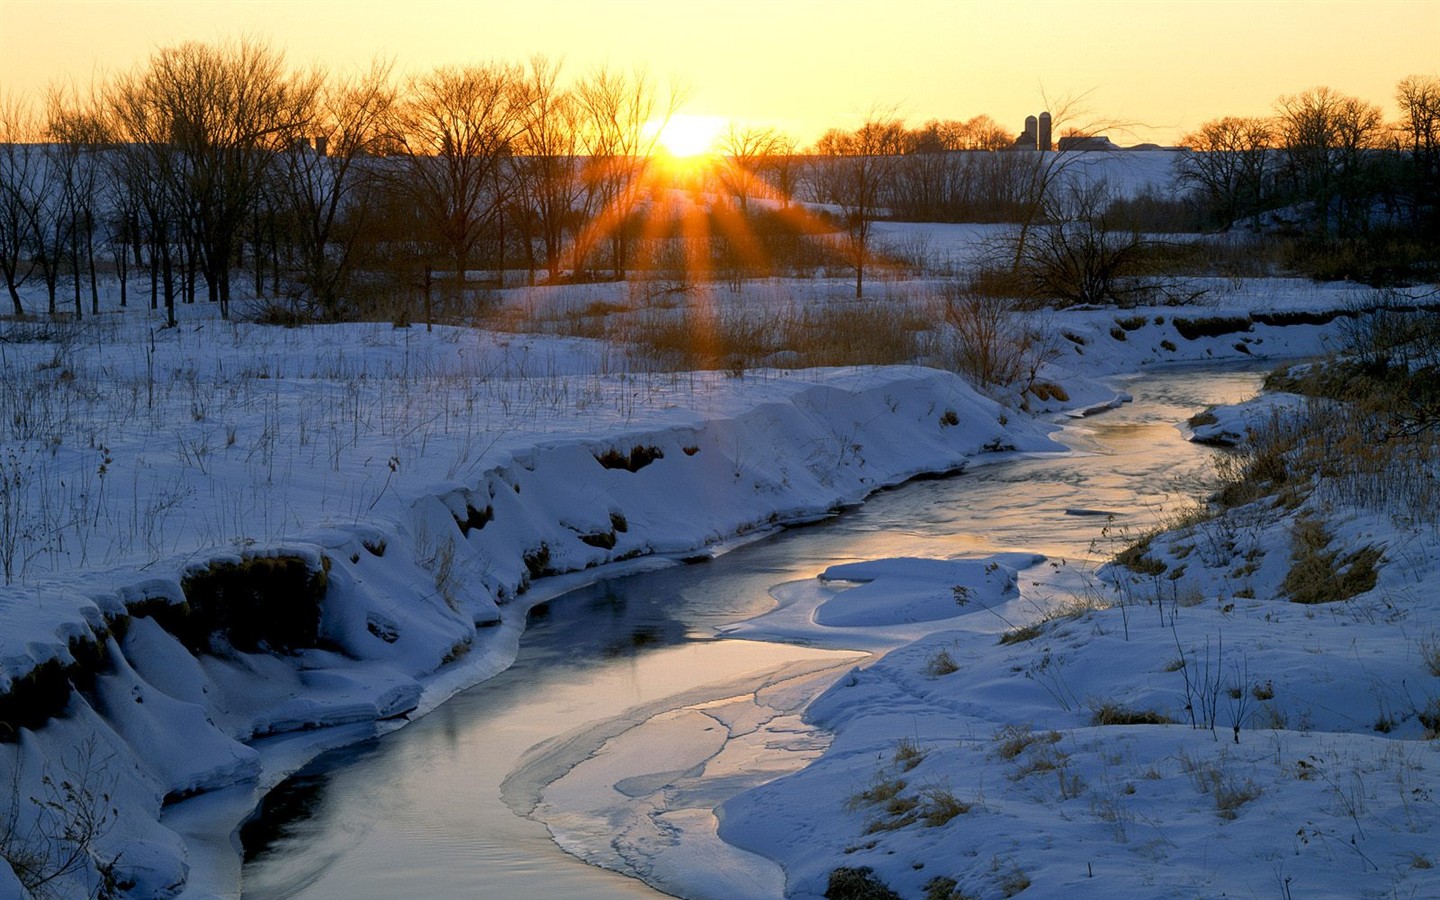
{"x":805,"y":65}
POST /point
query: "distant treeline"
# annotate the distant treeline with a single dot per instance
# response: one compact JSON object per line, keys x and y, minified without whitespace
{"x":210,"y":162}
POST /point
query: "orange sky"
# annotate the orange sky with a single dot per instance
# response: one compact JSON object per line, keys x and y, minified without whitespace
{"x":805,"y":65}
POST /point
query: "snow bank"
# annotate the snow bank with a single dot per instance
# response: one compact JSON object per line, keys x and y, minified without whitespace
{"x":1180,"y":729}
{"x":896,"y":591}
{"x":399,"y":491}
{"x":182,"y":688}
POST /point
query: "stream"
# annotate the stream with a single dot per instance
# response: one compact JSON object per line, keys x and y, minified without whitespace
{"x":628,"y":716}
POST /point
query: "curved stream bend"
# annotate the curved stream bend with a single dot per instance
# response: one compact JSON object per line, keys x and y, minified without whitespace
{"x":625,"y":721}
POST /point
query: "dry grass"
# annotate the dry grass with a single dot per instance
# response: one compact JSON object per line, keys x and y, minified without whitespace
{"x":943,"y":888}
{"x":1226,"y":788}
{"x":939,"y":805}
{"x":1136,"y":558}
{"x":908,"y":754}
{"x":1009,"y":877}
{"x":941,"y":663}
{"x":1319,"y":574}
{"x":882,"y":790}
{"x":1430,"y":653}
{"x":1022,"y":634}
{"x":1012,"y":740}
{"x":1367,"y":436}
{"x":691,"y":329}
{"x":1110,"y":713}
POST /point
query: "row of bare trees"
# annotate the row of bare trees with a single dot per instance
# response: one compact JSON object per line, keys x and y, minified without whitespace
{"x":1333,"y":152}
{"x":210,"y":159}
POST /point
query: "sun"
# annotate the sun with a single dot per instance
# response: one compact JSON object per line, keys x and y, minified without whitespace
{"x":686,"y":136}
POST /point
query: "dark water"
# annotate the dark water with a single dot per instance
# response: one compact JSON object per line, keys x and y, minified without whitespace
{"x":419,"y":812}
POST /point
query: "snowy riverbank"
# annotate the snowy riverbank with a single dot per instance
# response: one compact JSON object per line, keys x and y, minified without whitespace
{"x":377,"y":499}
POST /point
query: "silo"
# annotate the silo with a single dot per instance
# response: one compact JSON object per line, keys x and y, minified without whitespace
{"x":1044,"y":137}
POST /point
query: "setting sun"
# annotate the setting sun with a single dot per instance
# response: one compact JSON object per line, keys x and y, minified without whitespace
{"x":685,"y":136}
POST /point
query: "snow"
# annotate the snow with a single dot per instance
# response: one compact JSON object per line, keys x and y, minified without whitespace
{"x":433,"y":477}
{"x":916,"y":590}
{"x":1085,"y":809}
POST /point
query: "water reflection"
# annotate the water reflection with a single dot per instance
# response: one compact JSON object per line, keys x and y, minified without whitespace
{"x":418,"y":811}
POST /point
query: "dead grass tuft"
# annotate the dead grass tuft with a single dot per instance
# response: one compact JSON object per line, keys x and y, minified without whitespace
{"x":1012,"y":740}
{"x":1110,"y":713}
{"x":1321,"y":575}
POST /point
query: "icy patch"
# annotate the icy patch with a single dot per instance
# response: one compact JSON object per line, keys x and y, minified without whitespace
{"x":637,"y":793}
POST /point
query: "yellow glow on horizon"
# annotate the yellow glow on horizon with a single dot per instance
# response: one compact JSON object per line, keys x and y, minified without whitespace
{"x":1162,"y":66}
{"x":686,"y":136}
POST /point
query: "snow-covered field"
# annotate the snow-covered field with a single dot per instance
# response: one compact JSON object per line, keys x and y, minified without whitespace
{"x":381,"y":499}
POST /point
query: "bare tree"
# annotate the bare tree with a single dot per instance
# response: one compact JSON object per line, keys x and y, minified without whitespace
{"x":21,"y":165}
{"x":77,"y":138}
{"x":622,"y":116}
{"x":1078,"y":256}
{"x":1419,"y":99}
{"x":1325,"y":137}
{"x":145,"y":169}
{"x":978,"y":133}
{"x":782,"y":169}
{"x":547,"y":165}
{"x":1229,"y":161}
{"x":852,"y":170}
{"x":53,"y":222}
{"x":745,"y":152}
{"x":1036,"y":177}
{"x":984,"y":133}
{"x":328,"y":185}
{"x":225,"y":113}
{"x":455,"y":128}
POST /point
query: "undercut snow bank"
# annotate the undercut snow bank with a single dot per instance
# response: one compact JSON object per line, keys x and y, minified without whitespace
{"x":180,"y":689}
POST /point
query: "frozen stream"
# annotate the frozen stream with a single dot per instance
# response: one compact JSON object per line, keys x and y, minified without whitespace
{"x":627,"y":717}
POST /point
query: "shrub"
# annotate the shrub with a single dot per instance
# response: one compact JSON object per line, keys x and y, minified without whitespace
{"x":941,"y":663}
{"x":848,"y":883}
{"x":63,"y":842}
{"x":1117,"y":714}
{"x":908,"y":754}
{"x":994,"y":346}
{"x":939,"y":805}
